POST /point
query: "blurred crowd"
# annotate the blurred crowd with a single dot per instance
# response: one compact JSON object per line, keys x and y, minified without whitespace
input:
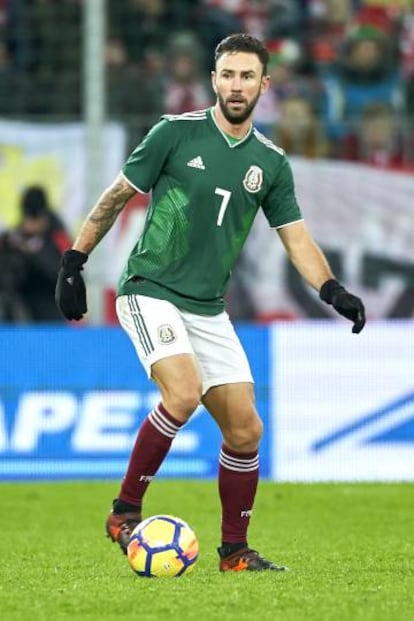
{"x":342,"y":70}
{"x":29,"y":258}
{"x":342,"y":87}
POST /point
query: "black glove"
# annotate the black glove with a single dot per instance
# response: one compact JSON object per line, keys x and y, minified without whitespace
{"x":70,"y":293}
{"x":346,"y":304}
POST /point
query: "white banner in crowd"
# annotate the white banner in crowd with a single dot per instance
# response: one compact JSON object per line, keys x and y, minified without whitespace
{"x":52,"y":155}
{"x":343,"y":405}
{"x":362,"y":217}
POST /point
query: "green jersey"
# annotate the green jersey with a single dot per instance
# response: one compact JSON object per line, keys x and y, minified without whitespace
{"x":206,"y":191}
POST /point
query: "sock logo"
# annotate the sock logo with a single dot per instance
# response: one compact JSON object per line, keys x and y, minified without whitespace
{"x":146,"y":478}
{"x":247,"y":513}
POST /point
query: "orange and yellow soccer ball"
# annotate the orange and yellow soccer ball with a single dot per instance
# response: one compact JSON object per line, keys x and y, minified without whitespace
{"x":162,"y":546}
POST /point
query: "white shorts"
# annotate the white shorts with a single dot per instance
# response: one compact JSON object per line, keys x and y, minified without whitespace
{"x":159,"y":329}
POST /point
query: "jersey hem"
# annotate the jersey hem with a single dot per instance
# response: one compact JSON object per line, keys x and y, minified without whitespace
{"x":153,"y":290}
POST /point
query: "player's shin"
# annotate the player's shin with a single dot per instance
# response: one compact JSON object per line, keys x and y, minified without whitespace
{"x":238,"y":478}
{"x":151,"y":447}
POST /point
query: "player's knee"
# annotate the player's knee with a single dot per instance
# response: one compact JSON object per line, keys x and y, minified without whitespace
{"x":245,"y":438}
{"x":190,"y":400}
{"x":182,"y":402}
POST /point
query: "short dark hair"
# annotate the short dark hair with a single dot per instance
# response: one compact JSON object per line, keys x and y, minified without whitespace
{"x":242,"y":42}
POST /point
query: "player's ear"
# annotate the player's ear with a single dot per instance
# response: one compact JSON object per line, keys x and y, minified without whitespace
{"x":265,"y":83}
{"x":213,"y":81}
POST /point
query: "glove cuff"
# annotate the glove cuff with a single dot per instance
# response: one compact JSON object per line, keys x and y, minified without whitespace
{"x":329,"y":290}
{"x":74,"y":258}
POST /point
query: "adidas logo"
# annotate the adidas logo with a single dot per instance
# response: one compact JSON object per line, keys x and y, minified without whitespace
{"x":197,"y":162}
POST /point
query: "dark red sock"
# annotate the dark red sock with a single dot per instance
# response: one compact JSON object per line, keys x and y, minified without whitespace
{"x":238,"y":478}
{"x":151,"y":447}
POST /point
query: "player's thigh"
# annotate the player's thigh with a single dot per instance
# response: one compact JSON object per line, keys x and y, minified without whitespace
{"x":160,"y":338}
{"x":233,"y":408}
{"x":220,"y":355}
{"x":179,"y":381}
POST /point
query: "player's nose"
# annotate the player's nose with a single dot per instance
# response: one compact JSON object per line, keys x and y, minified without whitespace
{"x":236,"y":85}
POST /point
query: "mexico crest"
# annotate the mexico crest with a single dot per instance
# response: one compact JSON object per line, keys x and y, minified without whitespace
{"x":253,"y":179}
{"x":166,"y":334}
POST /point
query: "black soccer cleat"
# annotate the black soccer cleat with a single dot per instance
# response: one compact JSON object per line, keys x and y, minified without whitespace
{"x":246,"y":559}
{"x":119,"y":527}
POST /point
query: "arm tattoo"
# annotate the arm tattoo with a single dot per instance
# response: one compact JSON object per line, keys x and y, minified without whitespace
{"x":104,"y":214}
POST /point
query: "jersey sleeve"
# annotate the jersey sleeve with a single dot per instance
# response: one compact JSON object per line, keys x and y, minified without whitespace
{"x":144,"y":165}
{"x":280,"y":205}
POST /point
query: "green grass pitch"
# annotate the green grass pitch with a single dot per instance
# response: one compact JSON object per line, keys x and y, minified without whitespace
{"x":349,"y":547}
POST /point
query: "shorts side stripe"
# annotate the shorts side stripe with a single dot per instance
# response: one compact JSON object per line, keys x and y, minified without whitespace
{"x":142,"y":323}
{"x":142,"y":332}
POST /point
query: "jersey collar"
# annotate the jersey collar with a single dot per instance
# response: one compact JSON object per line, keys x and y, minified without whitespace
{"x":239,"y":142}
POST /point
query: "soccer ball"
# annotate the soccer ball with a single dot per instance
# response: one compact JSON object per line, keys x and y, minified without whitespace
{"x":162,"y":546}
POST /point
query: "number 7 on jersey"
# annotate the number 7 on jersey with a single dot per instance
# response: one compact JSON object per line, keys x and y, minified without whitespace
{"x":224,"y":202}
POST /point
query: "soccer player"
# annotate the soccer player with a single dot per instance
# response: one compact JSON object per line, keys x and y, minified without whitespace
{"x":209,"y":171}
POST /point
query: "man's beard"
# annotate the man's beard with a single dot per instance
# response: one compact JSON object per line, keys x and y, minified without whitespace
{"x":237,"y":118}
